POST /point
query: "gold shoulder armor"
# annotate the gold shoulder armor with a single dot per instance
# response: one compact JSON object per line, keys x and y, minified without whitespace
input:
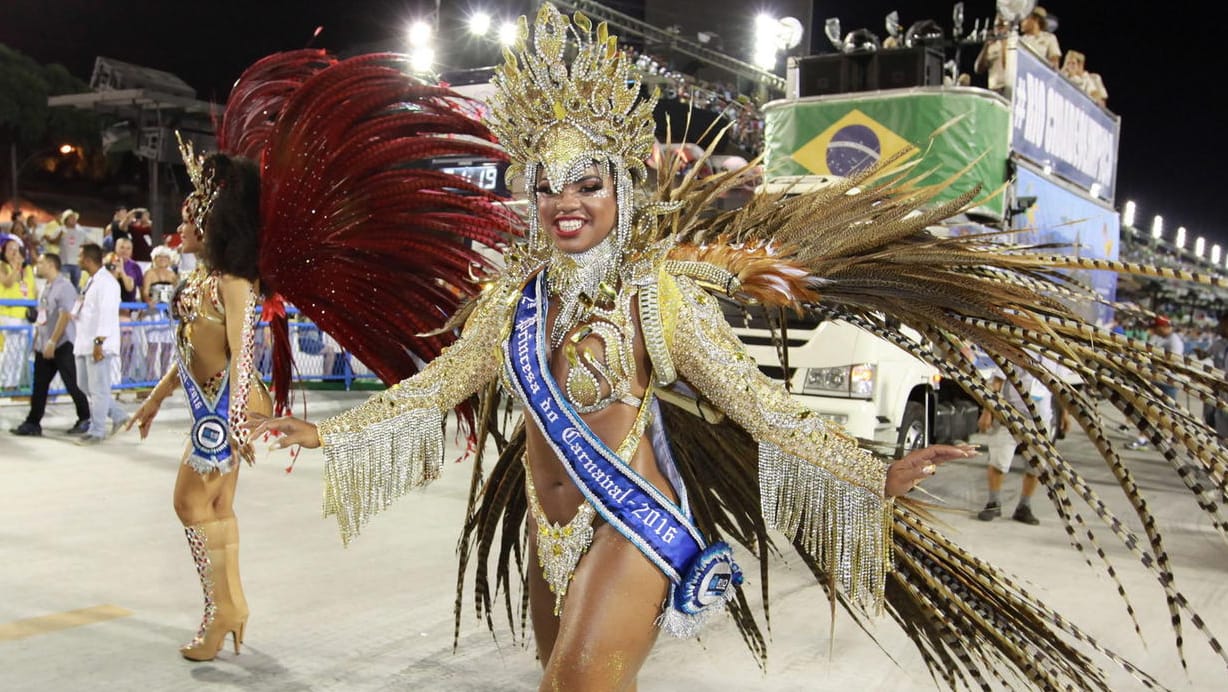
{"x":706,"y":274}
{"x":659,"y":303}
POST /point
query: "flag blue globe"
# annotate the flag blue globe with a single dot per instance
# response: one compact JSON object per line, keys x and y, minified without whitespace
{"x":853,"y":148}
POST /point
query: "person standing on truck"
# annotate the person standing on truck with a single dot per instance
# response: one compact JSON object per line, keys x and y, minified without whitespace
{"x":1042,"y":42}
{"x":1002,"y":446}
{"x":991,"y":61}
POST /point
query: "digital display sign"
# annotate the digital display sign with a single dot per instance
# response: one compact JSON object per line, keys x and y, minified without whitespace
{"x":485,"y":176}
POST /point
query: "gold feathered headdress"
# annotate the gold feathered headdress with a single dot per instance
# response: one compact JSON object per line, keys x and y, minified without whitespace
{"x":204,"y":188}
{"x":563,"y":112}
{"x":566,"y":98}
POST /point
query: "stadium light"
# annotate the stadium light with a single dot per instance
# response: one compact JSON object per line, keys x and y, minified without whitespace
{"x":1200,"y":246}
{"x":422,"y":59}
{"x":479,"y":23}
{"x":1127,"y":214}
{"x":1157,"y":227}
{"x":766,"y":30}
{"x":1180,"y":237}
{"x":1215,"y":251}
{"x":508,"y":33}
{"x":765,"y":58}
{"x":419,"y":34}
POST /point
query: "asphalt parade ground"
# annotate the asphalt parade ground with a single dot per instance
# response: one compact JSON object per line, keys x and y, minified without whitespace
{"x":98,"y":590}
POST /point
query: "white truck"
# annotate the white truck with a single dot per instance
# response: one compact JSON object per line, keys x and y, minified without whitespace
{"x":871,"y":387}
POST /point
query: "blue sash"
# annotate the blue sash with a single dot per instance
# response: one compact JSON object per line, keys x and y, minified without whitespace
{"x":701,"y":575}
{"x":210,"y":429}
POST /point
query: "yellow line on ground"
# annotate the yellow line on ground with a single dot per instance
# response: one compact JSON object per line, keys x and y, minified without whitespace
{"x":30,"y":627}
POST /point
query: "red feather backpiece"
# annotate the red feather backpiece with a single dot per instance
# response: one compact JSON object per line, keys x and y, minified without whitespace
{"x":357,"y":232}
{"x":259,"y":95}
{"x":243,"y":129}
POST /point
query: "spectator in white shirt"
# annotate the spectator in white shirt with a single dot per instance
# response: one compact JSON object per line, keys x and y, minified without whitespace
{"x":1042,"y":42}
{"x":991,"y":61}
{"x":1164,"y":337}
{"x":72,"y":238}
{"x":97,"y":344}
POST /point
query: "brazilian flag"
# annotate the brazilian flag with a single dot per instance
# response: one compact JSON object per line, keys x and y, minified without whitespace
{"x":840,"y":135}
{"x":851,"y":144}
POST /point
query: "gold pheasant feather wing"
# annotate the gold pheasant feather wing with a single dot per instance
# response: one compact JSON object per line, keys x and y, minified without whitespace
{"x":861,"y":250}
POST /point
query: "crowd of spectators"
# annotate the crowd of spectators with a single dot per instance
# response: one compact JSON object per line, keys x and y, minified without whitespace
{"x":146,"y":272}
{"x":33,"y":272}
{"x":722,"y":98}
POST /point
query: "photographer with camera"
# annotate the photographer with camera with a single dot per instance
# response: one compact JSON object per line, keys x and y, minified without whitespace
{"x":991,"y":61}
{"x":118,"y":228}
{"x":140,"y":232}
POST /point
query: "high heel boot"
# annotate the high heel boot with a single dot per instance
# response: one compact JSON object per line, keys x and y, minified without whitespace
{"x":231,"y":529}
{"x":222,"y":615}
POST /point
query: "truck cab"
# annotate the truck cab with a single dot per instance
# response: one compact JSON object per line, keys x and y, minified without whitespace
{"x":874,"y":389}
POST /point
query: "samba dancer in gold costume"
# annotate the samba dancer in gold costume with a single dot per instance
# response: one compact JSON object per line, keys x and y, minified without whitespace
{"x":215,"y":306}
{"x":649,"y":435}
{"x":622,"y":323}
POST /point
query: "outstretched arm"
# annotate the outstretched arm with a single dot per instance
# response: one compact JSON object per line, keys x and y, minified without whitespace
{"x":816,"y":485}
{"x":712,"y":359}
{"x":394,"y":442}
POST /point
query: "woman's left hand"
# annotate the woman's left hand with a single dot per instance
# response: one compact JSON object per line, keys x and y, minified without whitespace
{"x":904,"y":474}
{"x":291,"y":431}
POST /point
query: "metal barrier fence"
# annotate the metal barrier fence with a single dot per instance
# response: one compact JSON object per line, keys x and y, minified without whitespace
{"x":147,"y":343}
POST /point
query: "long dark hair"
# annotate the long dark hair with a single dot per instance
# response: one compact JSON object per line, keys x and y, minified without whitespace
{"x":232,"y":231}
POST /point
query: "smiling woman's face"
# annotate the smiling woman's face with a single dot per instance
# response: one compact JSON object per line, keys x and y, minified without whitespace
{"x":12,"y":252}
{"x":582,"y":214}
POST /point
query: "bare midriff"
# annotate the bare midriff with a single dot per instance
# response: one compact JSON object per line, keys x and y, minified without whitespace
{"x":558,"y":494}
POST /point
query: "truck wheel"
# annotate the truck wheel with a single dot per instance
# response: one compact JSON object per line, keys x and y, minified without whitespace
{"x":912,"y":429}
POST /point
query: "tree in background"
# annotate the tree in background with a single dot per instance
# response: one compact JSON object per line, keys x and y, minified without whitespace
{"x":31,"y":132}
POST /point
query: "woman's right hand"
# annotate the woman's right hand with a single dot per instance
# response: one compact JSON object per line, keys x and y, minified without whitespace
{"x":290,"y":431}
{"x":144,"y":415}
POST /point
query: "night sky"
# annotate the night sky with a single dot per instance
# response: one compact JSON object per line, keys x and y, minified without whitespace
{"x":1160,"y":69}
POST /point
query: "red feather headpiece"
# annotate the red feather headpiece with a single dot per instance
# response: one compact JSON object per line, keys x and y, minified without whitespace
{"x":357,"y":231}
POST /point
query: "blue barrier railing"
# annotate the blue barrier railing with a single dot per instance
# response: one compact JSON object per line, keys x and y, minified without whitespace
{"x":147,"y":339}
